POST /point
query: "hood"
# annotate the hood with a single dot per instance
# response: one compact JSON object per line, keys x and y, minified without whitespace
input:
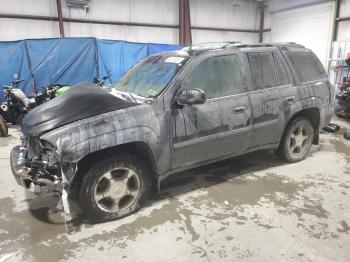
{"x":79,"y":102}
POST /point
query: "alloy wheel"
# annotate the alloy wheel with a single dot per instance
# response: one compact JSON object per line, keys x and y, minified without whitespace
{"x":299,"y":140}
{"x":117,"y":189}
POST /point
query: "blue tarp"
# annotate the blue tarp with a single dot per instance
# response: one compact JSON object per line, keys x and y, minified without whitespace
{"x":69,"y":60}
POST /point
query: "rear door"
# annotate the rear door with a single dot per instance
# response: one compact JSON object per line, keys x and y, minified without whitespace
{"x":271,"y":96}
{"x":212,"y":130}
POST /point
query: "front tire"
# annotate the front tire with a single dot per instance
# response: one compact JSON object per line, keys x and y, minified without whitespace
{"x":3,"y":127}
{"x":297,"y":140}
{"x":114,"y":188}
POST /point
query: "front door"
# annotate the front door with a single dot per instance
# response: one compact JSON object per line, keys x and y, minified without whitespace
{"x":221,"y":125}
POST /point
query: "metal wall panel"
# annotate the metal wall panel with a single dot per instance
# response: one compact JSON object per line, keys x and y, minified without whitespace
{"x":230,"y":14}
{"x":345,"y":8}
{"x":127,"y":33}
{"x":150,"y":11}
{"x":344,"y":26}
{"x":344,"y":31}
{"x":225,"y":13}
{"x":267,"y":37}
{"x":14,"y":29}
{"x":202,"y":36}
{"x":310,"y":26}
{"x":29,"y":7}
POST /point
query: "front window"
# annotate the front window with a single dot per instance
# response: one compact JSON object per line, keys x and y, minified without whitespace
{"x":150,"y":76}
{"x":217,"y":77}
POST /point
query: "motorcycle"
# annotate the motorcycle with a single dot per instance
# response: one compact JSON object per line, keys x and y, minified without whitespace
{"x":3,"y":127}
{"x":16,"y":104}
{"x":100,"y":81}
{"x":342,"y":106}
{"x":53,"y":90}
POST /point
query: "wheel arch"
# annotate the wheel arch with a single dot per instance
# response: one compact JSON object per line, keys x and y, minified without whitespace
{"x":136,"y":148}
{"x":311,"y":113}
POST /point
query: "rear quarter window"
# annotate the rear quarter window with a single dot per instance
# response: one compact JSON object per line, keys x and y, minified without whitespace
{"x":307,"y":66}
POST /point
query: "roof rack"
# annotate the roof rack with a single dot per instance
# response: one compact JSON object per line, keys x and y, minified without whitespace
{"x":199,"y":48}
{"x":282,"y":44}
{"x":254,"y":45}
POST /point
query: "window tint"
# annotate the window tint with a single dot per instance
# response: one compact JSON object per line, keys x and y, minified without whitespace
{"x":307,"y":66}
{"x":262,"y":69}
{"x":281,"y":70}
{"x":217,"y":76}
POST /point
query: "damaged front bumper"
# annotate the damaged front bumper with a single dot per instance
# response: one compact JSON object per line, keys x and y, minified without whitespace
{"x":29,"y":177}
{"x":19,"y":170}
{"x":35,"y":175}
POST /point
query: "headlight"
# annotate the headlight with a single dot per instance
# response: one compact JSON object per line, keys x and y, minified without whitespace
{"x":17,"y":160}
{"x":4,"y":107}
{"x":47,"y":145}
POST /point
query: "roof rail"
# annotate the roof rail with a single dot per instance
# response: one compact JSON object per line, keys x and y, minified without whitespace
{"x":270,"y":44}
{"x":254,"y":45}
{"x":199,"y":48}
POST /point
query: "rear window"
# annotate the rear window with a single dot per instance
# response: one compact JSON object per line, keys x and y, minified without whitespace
{"x":307,"y":66}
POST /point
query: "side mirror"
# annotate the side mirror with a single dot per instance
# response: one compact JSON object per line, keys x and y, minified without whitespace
{"x":190,"y":97}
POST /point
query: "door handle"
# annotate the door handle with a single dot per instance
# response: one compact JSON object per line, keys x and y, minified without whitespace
{"x":239,"y":109}
{"x":290,"y":99}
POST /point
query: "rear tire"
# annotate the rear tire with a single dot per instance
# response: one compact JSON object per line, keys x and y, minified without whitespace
{"x":347,"y":134}
{"x":296,"y":141}
{"x":3,"y":127}
{"x":114,"y":188}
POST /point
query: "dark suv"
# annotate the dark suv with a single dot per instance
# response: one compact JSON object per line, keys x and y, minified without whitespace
{"x":172,"y":111}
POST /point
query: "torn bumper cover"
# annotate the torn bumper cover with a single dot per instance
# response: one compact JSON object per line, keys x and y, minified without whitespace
{"x":42,"y":175}
{"x":33,"y":173}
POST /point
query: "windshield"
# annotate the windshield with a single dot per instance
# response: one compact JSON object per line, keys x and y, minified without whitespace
{"x":150,"y":76}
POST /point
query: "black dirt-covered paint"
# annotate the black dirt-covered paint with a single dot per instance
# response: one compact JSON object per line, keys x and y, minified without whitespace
{"x":176,"y":137}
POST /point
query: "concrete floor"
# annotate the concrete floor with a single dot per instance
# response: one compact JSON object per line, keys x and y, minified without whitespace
{"x":250,"y":208}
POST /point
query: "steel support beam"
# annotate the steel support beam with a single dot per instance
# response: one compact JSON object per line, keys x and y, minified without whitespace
{"x":60,"y":17}
{"x":345,"y":18}
{"x":261,"y":7}
{"x":185,"y":34}
{"x":336,"y":22}
{"x":107,"y":22}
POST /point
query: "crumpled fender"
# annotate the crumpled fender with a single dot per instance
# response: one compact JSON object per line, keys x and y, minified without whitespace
{"x":76,"y":140}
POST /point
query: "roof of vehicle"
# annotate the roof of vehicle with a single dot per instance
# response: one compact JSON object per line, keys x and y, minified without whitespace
{"x":200,"y":48}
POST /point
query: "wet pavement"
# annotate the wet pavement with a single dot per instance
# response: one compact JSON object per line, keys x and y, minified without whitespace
{"x":249,"y":208}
